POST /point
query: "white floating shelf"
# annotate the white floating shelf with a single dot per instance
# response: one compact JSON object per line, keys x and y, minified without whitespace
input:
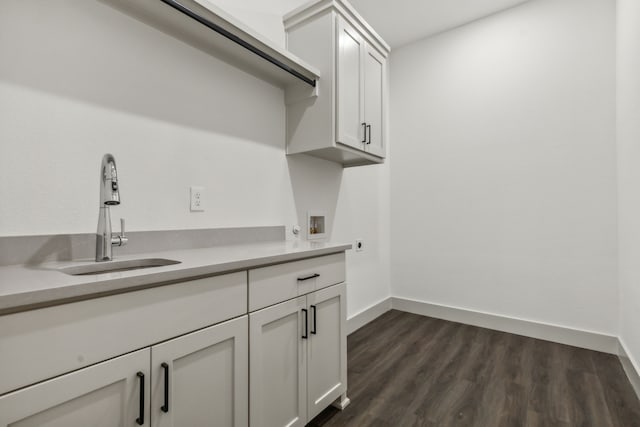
{"x":208,"y":28}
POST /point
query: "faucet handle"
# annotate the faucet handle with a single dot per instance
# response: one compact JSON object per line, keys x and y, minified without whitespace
{"x":123,"y":239}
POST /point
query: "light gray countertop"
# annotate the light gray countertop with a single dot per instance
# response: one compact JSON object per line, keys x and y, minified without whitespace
{"x":28,"y":286}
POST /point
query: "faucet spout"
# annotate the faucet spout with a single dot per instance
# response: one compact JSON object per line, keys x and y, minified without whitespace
{"x":109,"y":191}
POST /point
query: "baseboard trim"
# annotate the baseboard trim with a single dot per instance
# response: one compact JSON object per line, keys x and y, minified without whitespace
{"x":548,"y":332}
{"x":367,"y":315}
{"x":630,"y":367}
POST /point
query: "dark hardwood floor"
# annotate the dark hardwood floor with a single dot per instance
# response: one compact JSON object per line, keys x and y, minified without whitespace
{"x":410,"y":370}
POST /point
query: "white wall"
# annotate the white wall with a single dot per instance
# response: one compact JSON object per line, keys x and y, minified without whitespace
{"x":628,"y":112}
{"x":79,"y":79}
{"x":505,"y":201}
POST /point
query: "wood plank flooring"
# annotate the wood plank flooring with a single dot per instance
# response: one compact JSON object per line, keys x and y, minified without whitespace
{"x":410,"y":370}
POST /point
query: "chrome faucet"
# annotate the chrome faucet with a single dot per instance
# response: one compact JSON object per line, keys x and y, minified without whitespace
{"x":109,"y":196}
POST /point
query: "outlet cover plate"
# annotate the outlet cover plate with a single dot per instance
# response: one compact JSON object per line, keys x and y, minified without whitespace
{"x":197,"y":199}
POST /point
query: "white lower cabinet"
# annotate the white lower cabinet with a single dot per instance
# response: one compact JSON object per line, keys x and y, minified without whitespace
{"x":189,"y":354}
{"x":326,"y":348}
{"x":202,"y":379}
{"x":278,"y":365}
{"x":108,"y":394}
{"x":199,"y":379}
{"x":298,"y":358}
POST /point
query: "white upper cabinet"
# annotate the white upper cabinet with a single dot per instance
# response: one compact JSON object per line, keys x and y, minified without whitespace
{"x":350,"y":126}
{"x":374,"y":100}
{"x":346,"y":122}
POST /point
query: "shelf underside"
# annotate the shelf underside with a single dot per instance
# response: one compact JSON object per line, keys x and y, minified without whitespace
{"x":220,"y":35}
{"x":344,"y":155}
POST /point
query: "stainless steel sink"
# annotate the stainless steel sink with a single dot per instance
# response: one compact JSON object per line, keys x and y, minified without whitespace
{"x":114,"y":266}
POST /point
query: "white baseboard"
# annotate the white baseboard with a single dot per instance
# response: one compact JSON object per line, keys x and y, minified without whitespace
{"x":630,"y":367}
{"x":560,"y":334}
{"x":360,"y":319}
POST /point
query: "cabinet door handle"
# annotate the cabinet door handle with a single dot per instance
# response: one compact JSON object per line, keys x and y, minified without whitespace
{"x":364,"y":130}
{"x":165,"y":408}
{"x":140,"y":419}
{"x":311,"y":276}
{"x":315,"y":315}
{"x":368,"y":127}
{"x":306,"y":324}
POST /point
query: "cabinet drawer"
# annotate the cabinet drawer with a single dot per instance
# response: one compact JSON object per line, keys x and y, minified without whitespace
{"x":277,"y":283}
{"x":40,"y":344}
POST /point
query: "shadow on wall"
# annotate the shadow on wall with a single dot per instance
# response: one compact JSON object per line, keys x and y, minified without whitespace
{"x":316,"y":187}
{"x":38,"y":249}
{"x":88,"y":51}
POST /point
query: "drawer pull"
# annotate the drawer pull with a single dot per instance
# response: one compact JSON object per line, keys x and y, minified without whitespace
{"x":140,"y":419}
{"x":312,"y":276}
{"x":306,"y":324}
{"x":165,"y":408}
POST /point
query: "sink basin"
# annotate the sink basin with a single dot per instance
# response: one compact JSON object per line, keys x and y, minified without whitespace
{"x":114,"y":266}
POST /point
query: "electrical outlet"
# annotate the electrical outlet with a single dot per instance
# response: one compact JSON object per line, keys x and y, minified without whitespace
{"x":359,"y":245}
{"x":197,"y":199}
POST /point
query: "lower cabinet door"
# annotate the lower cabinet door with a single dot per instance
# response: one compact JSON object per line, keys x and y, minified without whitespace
{"x":278,"y":365}
{"x":114,"y":393}
{"x":201,"y":379}
{"x":327,"y":348}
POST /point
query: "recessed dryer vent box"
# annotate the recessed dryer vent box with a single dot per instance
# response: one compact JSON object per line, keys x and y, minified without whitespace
{"x":316,"y":225}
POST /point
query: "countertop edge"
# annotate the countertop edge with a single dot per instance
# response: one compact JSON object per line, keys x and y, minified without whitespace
{"x":30,"y":300}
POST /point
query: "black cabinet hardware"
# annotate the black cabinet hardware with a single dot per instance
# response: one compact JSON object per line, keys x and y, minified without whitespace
{"x":140,"y":419}
{"x":364,"y":130}
{"x":306,"y":324}
{"x":312,"y":276}
{"x":165,"y":407}
{"x":369,"y":141}
{"x":315,"y":326}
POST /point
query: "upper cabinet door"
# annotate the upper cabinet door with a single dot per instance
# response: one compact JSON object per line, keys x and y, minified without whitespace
{"x":349,"y":86}
{"x":278,"y":365}
{"x":202,"y":379}
{"x":114,"y":393}
{"x":331,"y":123}
{"x":375,"y":99}
{"x":327,"y":347}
